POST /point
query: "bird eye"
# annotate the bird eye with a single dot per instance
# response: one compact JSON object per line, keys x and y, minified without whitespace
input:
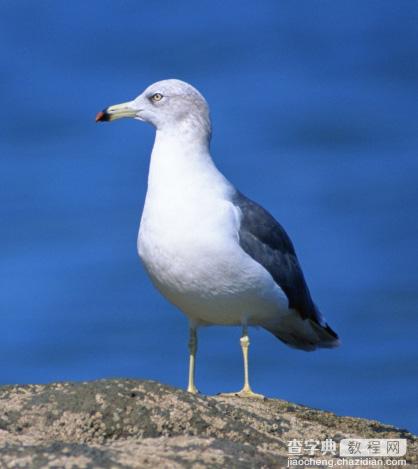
{"x":157,"y":97}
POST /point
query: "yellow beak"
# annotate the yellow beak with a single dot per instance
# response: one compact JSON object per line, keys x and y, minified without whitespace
{"x":118,"y":111}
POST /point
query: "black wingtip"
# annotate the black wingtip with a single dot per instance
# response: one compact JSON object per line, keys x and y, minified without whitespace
{"x":331,"y":331}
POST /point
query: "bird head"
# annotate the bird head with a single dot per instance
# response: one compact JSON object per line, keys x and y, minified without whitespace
{"x":167,"y":104}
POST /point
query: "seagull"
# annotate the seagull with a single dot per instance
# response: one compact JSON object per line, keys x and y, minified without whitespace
{"x":219,"y":257}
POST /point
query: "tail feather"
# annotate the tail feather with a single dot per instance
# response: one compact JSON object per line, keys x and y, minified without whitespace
{"x":305,"y":334}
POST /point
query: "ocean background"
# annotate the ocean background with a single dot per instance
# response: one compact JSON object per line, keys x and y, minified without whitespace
{"x":315,"y":116}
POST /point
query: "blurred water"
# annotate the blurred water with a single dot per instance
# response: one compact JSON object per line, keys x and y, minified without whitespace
{"x":315,"y":116}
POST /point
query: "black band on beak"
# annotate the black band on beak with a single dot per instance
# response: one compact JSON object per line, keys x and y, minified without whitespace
{"x":102,"y":116}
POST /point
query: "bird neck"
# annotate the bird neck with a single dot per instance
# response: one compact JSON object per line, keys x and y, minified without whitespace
{"x":180,"y":160}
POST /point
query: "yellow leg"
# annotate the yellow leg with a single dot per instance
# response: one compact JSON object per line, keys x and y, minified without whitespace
{"x":246,"y":391}
{"x":192,"y":357}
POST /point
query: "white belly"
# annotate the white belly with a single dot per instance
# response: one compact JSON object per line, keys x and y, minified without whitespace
{"x":194,"y":258}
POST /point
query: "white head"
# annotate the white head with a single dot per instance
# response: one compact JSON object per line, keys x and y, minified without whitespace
{"x":169,"y":105}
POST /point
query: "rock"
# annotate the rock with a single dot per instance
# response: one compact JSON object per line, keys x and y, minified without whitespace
{"x":143,"y":424}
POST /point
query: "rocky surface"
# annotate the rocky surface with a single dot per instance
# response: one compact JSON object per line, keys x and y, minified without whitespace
{"x":143,"y":424}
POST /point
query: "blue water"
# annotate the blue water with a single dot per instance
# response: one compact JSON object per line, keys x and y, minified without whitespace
{"x":315,"y":115}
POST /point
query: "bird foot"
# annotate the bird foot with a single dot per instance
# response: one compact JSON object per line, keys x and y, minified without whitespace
{"x":193,"y":390}
{"x":248,"y":393}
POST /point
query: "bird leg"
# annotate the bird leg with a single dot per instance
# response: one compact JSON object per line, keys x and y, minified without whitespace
{"x":192,"y":356}
{"x":246,"y":391}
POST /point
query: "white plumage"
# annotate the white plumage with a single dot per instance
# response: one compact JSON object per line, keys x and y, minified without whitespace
{"x":189,"y":242}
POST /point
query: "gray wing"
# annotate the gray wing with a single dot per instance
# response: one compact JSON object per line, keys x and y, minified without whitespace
{"x":266,"y":241}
